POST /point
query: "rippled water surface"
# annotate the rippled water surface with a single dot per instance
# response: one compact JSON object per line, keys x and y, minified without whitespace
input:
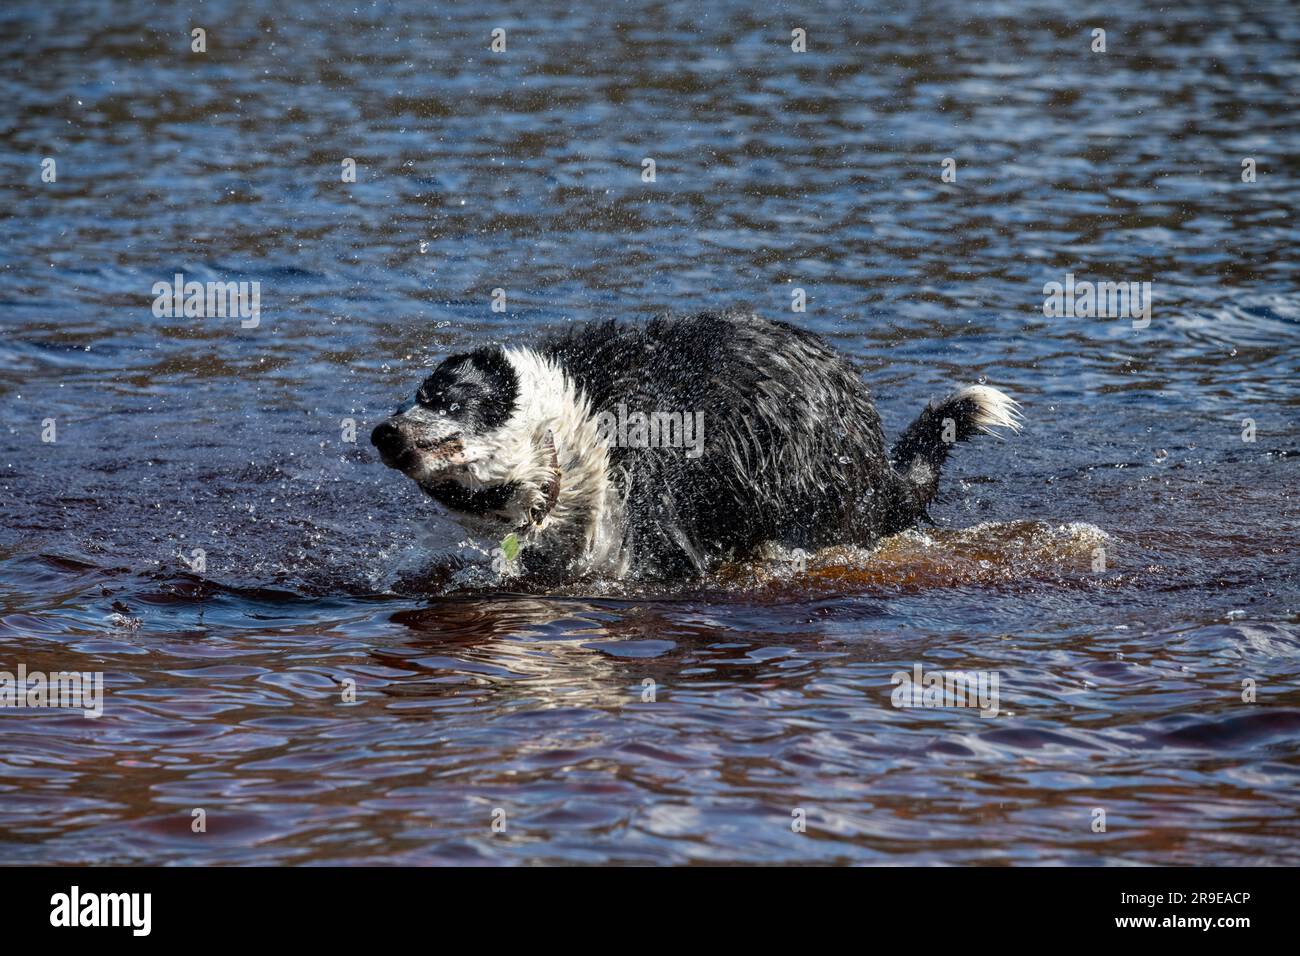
{"x":1121,"y":681}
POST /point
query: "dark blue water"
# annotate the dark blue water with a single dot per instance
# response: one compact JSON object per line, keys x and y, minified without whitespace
{"x":1121,"y":684}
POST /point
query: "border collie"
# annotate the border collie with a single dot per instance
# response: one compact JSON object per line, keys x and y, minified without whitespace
{"x":518,"y":443}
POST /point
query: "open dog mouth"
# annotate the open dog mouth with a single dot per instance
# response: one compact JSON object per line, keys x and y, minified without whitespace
{"x":471,"y":501}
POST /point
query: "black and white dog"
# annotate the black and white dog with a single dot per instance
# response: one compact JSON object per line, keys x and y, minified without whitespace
{"x":788,"y":446}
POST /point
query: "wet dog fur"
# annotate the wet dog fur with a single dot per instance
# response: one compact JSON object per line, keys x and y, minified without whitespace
{"x":512,"y":441}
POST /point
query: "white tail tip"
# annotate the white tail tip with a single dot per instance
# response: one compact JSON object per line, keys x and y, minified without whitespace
{"x":993,"y":408}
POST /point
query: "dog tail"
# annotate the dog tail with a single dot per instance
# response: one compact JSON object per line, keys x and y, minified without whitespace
{"x":921,"y":451}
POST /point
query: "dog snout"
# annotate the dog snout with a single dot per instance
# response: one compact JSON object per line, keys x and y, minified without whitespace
{"x":388,"y":438}
{"x":405,"y":443}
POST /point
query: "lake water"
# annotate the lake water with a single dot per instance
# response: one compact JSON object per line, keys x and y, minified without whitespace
{"x":1126,"y":567}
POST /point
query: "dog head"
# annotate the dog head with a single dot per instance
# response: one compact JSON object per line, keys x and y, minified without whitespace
{"x":466,"y":439}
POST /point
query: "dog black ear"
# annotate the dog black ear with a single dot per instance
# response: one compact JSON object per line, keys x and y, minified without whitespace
{"x":479,"y":388}
{"x":491,"y":361}
{"x":501,"y":392}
